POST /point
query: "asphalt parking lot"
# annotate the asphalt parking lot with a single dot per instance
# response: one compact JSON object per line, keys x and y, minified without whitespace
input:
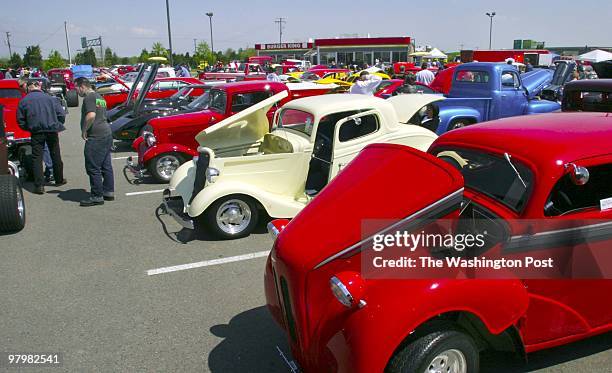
{"x":85,"y":282}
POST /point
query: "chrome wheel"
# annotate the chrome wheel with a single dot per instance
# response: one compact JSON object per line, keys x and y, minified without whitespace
{"x":20,"y":204}
{"x":233,"y":216}
{"x":166,"y":165}
{"x":449,"y":361}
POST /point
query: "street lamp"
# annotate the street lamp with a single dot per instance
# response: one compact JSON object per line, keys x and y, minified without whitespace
{"x":169,"y":32}
{"x":490,"y":15}
{"x":212,"y":46}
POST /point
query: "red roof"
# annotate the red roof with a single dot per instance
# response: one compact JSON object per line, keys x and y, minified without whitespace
{"x":543,"y":139}
{"x":403,"y":40}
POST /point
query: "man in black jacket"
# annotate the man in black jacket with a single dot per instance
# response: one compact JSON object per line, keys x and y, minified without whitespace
{"x":43,"y":116}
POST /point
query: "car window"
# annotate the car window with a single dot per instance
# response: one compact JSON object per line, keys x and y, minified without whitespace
{"x":217,"y":100}
{"x":241,"y":101}
{"x":468,"y":76}
{"x":509,"y":79}
{"x":10,"y":93}
{"x":492,"y":175}
{"x":296,"y":120}
{"x":587,"y":101}
{"x":567,"y":197}
{"x":358,"y":127}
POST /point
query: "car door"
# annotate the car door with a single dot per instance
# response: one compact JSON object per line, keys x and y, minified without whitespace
{"x":351,"y":135}
{"x":513,"y":97}
{"x":565,"y":307}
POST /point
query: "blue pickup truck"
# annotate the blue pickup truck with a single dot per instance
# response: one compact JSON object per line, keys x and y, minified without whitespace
{"x":484,"y":91}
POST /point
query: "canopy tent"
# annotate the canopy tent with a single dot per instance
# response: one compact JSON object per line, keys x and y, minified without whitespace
{"x":435,"y":53}
{"x":596,"y":55}
{"x":419,"y":54}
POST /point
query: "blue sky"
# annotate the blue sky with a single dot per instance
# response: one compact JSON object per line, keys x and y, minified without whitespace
{"x":128,"y":26}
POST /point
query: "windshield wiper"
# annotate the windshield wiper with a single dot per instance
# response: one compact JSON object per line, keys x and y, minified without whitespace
{"x":507,"y":156}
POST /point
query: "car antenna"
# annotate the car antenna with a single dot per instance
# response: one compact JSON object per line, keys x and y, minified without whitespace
{"x":507,"y":156}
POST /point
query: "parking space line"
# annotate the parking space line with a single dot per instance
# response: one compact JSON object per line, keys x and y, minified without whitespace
{"x":208,"y":263}
{"x":144,"y":192}
{"x":126,"y":157}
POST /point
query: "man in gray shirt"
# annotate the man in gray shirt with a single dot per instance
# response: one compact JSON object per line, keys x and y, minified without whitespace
{"x":98,"y":142}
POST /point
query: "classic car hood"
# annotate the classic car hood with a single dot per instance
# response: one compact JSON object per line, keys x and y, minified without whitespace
{"x":203,"y":118}
{"x":244,"y":127}
{"x":337,"y":219}
{"x":407,"y":105}
{"x":536,"y":80}
{"x":563,"y":72}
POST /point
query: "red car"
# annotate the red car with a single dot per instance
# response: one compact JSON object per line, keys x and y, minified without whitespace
{"x":63,"y":79}
{"x":161,"y":88}
{"x":18,"y":140}
{"x":388,"y":88}
{"x":487,"y":179}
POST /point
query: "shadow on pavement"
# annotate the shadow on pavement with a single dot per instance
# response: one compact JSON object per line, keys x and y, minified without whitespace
{"x":122,"y":146}
{"x":70,"y":195}
{"x":249,"y":344}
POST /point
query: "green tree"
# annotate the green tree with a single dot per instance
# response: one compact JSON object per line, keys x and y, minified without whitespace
{"x":158,"y":50}
{"x":87,"y":57}
{"x":55,"y":60}
{"x":144,"y":56}
{"x":33,"y":57}
{"x":124,"y":60}
{"x":203,"y":54}
{"x":15,"y":61}
{"x":108,"y":56}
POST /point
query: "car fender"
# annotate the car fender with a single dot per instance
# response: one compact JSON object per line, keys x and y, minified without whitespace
{"x":275,"y":206}
{"x":498,"y":304}
{"x":542,"y":106}
{"x":450,"y":114}
{"x":158,"y":149}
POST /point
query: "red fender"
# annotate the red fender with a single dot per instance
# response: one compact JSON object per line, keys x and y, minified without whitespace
{"x":158,"y":149}
{"x":136,"y":143}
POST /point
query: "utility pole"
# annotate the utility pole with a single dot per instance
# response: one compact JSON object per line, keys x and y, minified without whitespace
{"x":101,"y":50}
{"x":169,"y":32}
{"x":8,"y":41}
{"x":490,"y":15}
{"x":281,"y":21}
{"x":195,"y":46}
{"x":67,"y":43}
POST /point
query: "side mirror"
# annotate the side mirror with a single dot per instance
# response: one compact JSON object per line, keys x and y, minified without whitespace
{"x":578,"y":174}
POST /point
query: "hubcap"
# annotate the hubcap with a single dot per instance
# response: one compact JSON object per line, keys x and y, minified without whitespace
{"x":449,"y":361}
{"x":20,"y":204}
{"x":166,"y":166}
{"x":233,"y":216}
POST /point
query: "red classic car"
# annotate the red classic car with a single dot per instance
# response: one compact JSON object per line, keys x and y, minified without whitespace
{"x":489,"y":178}
{"x":18,"y":140}
{"x":161,"y":88}
{"x":244,"y":71}
{"x":389,"y":87}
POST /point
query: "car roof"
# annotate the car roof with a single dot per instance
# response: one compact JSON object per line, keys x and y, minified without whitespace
{"x":591,"y":85}
{"x":543,"y":139}
{"x":9,"y":83}
{"x":251,"y":84}
{"x":178,"y":78}
{"x":323,"y":104}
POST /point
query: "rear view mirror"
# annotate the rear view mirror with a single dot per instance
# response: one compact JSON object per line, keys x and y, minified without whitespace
{"x":578,"y":174}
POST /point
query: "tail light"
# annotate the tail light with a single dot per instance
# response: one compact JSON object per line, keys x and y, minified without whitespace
{"x":276,"y":226}
{"x":348,"y":288}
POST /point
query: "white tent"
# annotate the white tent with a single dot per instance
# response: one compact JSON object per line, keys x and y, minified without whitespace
{"x":596,"y":55}
{"x":435,"y":53}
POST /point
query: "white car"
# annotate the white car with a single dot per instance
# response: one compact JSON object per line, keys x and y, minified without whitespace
{"x":245,"y":172}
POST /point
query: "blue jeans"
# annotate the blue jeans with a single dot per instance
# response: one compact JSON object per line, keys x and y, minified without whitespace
{"x":98,"y":166}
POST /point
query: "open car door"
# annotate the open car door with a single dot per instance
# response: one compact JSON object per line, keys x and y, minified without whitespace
{"x":235,"y":134}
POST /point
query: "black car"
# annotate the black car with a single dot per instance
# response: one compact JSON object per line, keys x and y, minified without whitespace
{"x":130,"y":124}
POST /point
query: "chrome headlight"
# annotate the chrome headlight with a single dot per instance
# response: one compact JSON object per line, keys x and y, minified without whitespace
{"x":10,"y":137}
{"x":149,"y":138}
{"x":211,"y":173}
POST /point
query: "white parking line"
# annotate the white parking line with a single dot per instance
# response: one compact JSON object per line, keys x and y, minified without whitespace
{"x":208,"y":263}
{"x":144,"y":192}
{"x":133,"y":156}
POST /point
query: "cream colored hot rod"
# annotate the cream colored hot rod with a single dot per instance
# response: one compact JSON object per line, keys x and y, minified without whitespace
{"x":244,"y":171}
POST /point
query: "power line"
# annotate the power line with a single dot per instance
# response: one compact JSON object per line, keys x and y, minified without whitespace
{"x":281,"y":21}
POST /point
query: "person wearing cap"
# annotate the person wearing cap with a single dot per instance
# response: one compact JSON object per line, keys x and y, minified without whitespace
{"x":43,"y":116}
{"x":366,"y":84}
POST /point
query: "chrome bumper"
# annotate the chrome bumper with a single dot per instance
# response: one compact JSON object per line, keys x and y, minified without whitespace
{"x":134,"y":168}
{"x":174,"y":207}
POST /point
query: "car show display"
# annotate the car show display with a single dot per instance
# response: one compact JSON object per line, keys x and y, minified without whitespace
{"x":355,"y":203}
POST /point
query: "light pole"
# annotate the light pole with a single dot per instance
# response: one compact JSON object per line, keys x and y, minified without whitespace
{"x":169,"y":32}
{"x":212,"y":45}
{"x":490,"y":15}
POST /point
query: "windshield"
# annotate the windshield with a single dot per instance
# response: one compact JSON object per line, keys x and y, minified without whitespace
{"x":200,"y":102}
{"x":297,"y":120}
{"x":217,"y":100}
{"x":587,"y":101}
{"x":492,"y":175}
{"x":309,"y":76}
